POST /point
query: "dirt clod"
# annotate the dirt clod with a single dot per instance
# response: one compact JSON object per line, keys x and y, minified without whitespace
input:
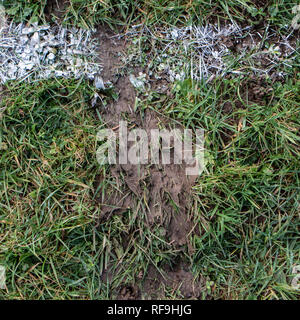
{"x":129,"y":293}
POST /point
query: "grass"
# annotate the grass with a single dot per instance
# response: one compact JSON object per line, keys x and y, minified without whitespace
{"x":245,"y":206}
{"x":247,"y":203}
{"x":86,"y":13}
{"x":47,"y":170}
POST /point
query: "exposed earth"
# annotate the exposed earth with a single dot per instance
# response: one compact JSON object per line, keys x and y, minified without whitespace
{"x":160,"y":186}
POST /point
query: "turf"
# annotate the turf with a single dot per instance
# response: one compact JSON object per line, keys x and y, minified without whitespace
{"x":127,"y":12}
{"x":245,"y":205}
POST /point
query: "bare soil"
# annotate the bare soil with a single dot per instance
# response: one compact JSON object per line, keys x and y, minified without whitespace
{"x":165,"y":189}
{"x":158,"y":184}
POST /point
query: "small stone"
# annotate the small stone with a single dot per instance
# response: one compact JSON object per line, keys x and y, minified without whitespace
{"x":35,"y":39}
{"x":38,"y":48}
{"x":79,"y":62}
{"x":23,"y":39}
{"x":174,"y":34}
{"x":51,"y":56}
{"x":95,"y":99}
{"x":29,"y":66}
{"x":22,"y":65}
{"x":98,"y":82}
{"x":75,"y":51}
{"x":27,"y":50}
{"x":27,"y":30}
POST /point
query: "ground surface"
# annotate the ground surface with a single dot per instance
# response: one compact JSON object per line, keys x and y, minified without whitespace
{"x":71,"y":228}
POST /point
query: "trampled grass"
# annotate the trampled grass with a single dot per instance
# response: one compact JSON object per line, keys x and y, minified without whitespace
{"x":245,"y":206}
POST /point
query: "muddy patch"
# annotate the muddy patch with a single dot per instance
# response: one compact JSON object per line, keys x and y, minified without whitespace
{"x":164,"y":190}
{"x":112,"y":48}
